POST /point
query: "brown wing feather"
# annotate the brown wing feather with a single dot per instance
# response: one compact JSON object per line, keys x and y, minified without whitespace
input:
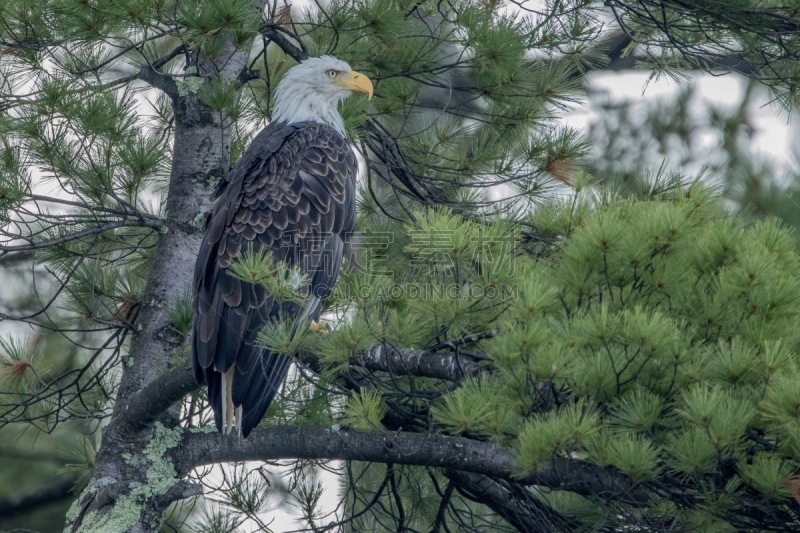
{"x":291,"y":193}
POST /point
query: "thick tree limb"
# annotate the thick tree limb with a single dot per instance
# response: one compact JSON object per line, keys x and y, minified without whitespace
{"x":146,"y":406}
{"x":149,"y":403}
{"x":467,"y":455}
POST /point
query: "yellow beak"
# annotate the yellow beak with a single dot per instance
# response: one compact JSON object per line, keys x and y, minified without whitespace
{"x":356,"y":81}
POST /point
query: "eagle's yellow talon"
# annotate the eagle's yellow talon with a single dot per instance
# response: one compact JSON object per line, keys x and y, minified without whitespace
{"x":319,"y":327}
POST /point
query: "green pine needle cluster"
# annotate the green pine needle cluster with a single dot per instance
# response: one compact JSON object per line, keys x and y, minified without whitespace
{"x":365,"y":409}
{"x":676,"y":321}
{"x":282,"y":282}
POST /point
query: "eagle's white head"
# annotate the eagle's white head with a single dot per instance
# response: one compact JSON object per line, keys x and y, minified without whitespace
{"x":312,"y":89}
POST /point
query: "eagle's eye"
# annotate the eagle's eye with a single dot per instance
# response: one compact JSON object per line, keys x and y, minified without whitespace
{"x":332,"y":74}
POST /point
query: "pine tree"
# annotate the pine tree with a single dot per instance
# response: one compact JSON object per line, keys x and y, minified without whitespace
{"x":502,"y":354}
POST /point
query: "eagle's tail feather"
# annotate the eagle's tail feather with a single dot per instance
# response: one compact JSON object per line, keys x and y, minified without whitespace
{"x":261,"y":387}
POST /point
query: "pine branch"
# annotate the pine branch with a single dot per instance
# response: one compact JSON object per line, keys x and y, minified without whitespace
{"x":149,"y":403}
{"x":148,"y":222}
{"x":614,"y":47}
{"x":728,"y":33}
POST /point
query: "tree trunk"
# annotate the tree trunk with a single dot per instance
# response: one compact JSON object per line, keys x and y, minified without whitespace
{"x":134,"y":478}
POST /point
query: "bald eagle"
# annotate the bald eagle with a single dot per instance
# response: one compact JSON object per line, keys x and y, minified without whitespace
{"x":291,"y":194}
